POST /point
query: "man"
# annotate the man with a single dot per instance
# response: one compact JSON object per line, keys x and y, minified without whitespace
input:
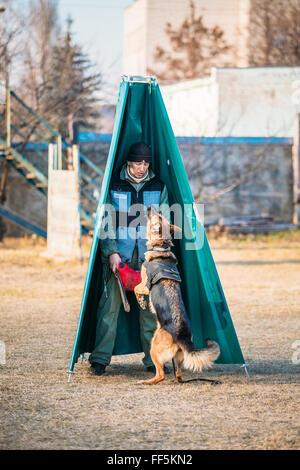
{"x":136,"y":183}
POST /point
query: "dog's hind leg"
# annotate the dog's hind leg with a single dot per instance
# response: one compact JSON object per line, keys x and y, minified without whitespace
{"x":162,"y":351}
{"x":179,"y":360}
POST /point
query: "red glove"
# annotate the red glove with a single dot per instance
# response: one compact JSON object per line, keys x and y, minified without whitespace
{"x":129,"y":277}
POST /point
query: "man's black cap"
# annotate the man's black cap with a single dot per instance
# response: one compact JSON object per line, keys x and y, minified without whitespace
{"x":139,"y":152}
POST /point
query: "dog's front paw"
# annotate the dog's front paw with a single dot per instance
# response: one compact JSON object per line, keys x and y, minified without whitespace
{"x":142,"y":301}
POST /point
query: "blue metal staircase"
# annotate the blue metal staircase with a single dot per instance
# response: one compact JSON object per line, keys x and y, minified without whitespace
{"x":29,"y":156}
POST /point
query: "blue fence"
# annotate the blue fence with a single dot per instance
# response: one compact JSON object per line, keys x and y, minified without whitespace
{"x":85,"y":137}
{"x":97,"y":137}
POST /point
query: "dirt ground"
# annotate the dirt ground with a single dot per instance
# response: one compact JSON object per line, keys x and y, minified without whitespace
{"x":40,"y":303}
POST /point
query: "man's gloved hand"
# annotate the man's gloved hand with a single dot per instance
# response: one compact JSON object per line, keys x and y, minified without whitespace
{"x":114,"y":261}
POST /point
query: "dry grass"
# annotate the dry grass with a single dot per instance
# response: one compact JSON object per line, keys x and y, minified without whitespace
{"x":40,"y":302}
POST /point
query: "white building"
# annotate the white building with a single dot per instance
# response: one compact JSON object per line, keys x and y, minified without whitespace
{"x":145,"y":22}
{"x":252,"y":102}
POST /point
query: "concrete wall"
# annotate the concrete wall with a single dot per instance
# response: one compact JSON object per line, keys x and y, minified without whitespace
{"x":145,"y":21}
{"x":267,"y":191}
{"x":258,"y":101}
{"x":193,"y":107}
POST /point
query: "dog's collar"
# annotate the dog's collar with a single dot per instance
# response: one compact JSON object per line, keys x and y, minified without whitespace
{"x":158,"y":248}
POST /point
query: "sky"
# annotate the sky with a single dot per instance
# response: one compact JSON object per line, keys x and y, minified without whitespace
{"x":98,"y":28}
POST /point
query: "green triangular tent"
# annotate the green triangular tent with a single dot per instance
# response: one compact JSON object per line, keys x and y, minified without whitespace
{"x":141,"y":116}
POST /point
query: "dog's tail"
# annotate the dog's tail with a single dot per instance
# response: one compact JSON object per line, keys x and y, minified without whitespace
{"x":197,"y":359}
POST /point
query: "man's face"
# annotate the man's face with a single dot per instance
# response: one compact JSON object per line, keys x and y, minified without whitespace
{"x":138,"y":169}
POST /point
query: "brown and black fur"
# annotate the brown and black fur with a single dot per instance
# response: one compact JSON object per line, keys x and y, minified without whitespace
{"x":172,"y":338}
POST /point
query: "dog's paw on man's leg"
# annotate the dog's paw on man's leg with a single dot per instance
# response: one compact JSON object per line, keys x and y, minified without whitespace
{"x":141,"y":301}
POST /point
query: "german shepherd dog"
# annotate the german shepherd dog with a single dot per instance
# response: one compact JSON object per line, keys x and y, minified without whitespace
{"x":172,"y":339}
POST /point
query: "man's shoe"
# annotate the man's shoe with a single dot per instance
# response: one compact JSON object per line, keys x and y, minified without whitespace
{"x":152,"y":369}
{"x":96,"y":369}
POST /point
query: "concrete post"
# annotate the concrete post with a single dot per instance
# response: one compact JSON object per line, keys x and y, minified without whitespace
{"x":63,"y":218}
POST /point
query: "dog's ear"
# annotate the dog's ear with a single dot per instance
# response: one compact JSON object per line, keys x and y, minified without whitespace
{"x":174,"y":228}
{"x":168,"y":229}
{"x":163,"y":219}
{"x":151,"y":210}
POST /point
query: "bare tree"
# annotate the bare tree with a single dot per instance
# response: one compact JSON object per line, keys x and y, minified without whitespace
{"x":58,"y":78}
{"x":274,"y":32}
{"x":11,"y":28}
{"x":39,"y":32}
{"x":42,"y":33}
{"x":195,"y":48}
{"x":72,"y":85}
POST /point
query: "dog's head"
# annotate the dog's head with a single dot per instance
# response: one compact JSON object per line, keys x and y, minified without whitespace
{"x":159,"y":230}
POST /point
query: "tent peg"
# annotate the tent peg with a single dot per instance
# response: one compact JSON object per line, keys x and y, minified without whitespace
{"x":69,"y":376}
{"x":244,"y":366}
